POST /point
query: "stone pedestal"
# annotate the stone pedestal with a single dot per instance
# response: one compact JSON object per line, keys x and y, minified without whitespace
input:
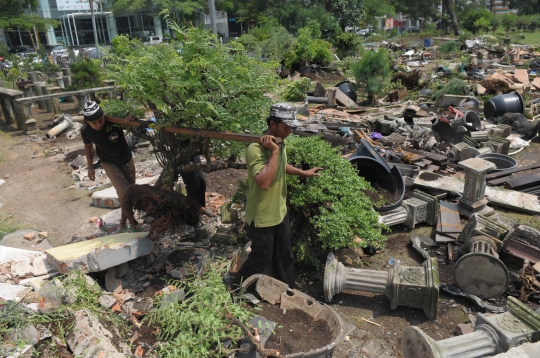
{"x":492,"y":335}
{"x":498,"y":145}
{"x":81,"y":100}
{"x":501,"y":131}
{"x":473,"y":201}
{"x":479,"y":272}
{"x":481,"y":225}
{"x":403,"y":285}
{"x":455,"y":151}
{"x":21,"y":114}
{"x":38,"y":85}
{"x":420,"y":208}
{"x":7,"y":111}
{"x":31,"y":126}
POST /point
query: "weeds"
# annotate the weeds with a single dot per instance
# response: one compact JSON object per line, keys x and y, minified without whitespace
{"x":9,"y":224}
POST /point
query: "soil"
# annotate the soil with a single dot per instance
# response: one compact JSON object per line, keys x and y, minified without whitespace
{"x":296,"y":331}
{"x":381,"y":196}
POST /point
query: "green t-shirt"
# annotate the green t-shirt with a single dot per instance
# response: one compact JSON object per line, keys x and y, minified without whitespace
{"x":266,"y":208}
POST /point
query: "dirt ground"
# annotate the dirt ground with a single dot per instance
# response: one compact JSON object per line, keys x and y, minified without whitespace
{"x":35,"y":192}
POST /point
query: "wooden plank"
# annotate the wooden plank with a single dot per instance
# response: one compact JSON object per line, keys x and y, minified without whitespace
{"x":444,"y":238}
{"x":450,"y":251}
{"x":240,"y":137}
{"x":520,"y":183}
{"x":448,"y":220}
{"x":410,"y":157}
{"x":511,"y":177}
{"x":536,"y":83}
{"x":522,"y":76}
{"x":344,"y":99}
{"x":67,"y":94}
{"x":510,"y":171}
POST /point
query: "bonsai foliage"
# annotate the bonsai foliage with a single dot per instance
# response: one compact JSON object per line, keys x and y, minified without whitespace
{"x":196,"y":81}
{"x":296,"y":91}
{"x":86,"y":74}
{"x":331,"y":211}
{"x":309,"y":48}
{"x":373,"y":72}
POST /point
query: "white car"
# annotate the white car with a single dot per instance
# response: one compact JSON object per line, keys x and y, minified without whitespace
{"x":152,"y":40}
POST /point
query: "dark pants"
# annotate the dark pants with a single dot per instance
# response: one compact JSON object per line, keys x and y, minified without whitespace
{"x":121,"y":178}
{"x":195,"y":186}
{"x":269,"y":245}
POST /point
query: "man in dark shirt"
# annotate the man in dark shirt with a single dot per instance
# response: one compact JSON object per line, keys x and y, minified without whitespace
{"x":113,"y":152}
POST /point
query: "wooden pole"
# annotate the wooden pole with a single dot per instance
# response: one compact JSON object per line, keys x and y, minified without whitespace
{"x":240,"y":137}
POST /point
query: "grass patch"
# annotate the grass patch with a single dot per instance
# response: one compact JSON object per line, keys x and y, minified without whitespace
{"x":9,"y":224}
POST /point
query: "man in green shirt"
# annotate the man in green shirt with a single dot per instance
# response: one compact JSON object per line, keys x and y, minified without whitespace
{"x":266,"y":209}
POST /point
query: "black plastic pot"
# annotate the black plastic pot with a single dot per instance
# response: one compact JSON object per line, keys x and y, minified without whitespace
{"x":502,"y":161}
{"x":377,"y":172}
{"x":505,"y":103}
{"x":348,"y":88}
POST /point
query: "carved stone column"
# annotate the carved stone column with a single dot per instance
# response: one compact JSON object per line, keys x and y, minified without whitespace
{"x":492,"y":335}
{"x":473,"y":201}
{"x":455,"y":151}
{"x":403,"y":285}
{"x":420,"y":208}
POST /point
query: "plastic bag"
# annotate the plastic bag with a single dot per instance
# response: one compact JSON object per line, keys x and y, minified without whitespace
{"x":516,"y":142}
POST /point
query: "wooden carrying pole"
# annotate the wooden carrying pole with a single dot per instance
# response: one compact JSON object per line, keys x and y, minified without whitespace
{"x":250,"y":138}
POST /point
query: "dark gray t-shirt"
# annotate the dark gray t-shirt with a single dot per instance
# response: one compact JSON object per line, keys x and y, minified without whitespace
{"x":111,"y":145}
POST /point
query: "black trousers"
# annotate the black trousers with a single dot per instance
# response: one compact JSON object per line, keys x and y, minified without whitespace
{"x":269,"y":245}
{"x":195,"y":186}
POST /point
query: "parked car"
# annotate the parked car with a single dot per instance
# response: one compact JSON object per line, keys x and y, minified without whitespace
{"x":363,"y":32}
{"x":152,"y":40}
{"x":5,"y":65}
{"x":19,"y":49}
{"x":57,"y":50}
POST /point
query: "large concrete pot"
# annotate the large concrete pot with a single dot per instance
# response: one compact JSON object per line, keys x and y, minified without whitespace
{"x":277,"y":292}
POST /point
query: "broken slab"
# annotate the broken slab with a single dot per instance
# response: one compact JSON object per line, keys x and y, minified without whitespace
{"x":90,"y":339}
{"x":16,"y":240}
{"x":526,"y":350}
{"x":506,"y":198}
{"x":101,"y":253}
{"x":522,"y":76}
{"x":14,"y":293}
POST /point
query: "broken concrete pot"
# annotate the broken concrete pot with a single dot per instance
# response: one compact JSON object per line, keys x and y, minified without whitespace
{"x":278,"y":292}
{"x":376,"y":171}
{"x":403,"y":285}
{"x":501,"y":161}
{"x":523,"y":243}
{"x":481,"y":225}
{"x":492,"y":335}
{"x":479,"y":272}
{"x":188,"y":261}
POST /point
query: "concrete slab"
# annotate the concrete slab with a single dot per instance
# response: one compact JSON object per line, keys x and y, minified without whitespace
{"x":13,"y":254}
{"x":477,"y":165}
{"x":506,"y":198}
{"x":101,"y":253}
{"x":108,"y":198}
{"x":13,"y":292}
{"x":16,"y":240}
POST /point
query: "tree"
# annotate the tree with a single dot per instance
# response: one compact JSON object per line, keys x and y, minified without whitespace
{"x":508,"y":21}
{"x":373,"y":72}
{"x":524,"y":7}
{"x":450,"y":8}
{"x":17,"y":14}
{"x":197,"y":82}
{"x":476,"y":19}
{"x":177,"y":8}
{"x":494,"y":23}
{"x":346,"y":12}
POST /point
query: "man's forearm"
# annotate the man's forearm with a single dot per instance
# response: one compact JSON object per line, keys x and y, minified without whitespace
{"x":89,"y":152}
{"x":267,"y":175}
{"x":294,"y":170}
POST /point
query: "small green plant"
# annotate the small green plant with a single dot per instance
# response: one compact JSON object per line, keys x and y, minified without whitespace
{"x":86,"y":74}
{"x":373,"y":72}
{"x":9,"y":224}
{"x":456,"y":86}
{"x":296,"y":91}
{"x":449,"y":46}
{"x":199,"y":325}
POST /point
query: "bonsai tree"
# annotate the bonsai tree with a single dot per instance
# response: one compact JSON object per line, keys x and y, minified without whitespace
{"x":373,"y":72}
{"x":194,"y":81}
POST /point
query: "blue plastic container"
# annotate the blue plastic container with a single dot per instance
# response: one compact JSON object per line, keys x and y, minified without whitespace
{"x":428,"y":42}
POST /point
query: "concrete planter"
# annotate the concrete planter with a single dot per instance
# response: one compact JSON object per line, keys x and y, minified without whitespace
{"x":277,"y":292}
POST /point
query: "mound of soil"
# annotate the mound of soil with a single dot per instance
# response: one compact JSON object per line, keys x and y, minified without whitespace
{"x":296,"y":331}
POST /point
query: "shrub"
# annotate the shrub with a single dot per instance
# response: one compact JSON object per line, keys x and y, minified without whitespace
{"x":373,"y":72}
{"x":347,"y":44}
{"x":449,"y":46}
{"x":296,"y":91}
{"x":309,"y":48}
{"x":456,"y":86}
{"x":331,"y":211}
{"x":86,"y":74}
